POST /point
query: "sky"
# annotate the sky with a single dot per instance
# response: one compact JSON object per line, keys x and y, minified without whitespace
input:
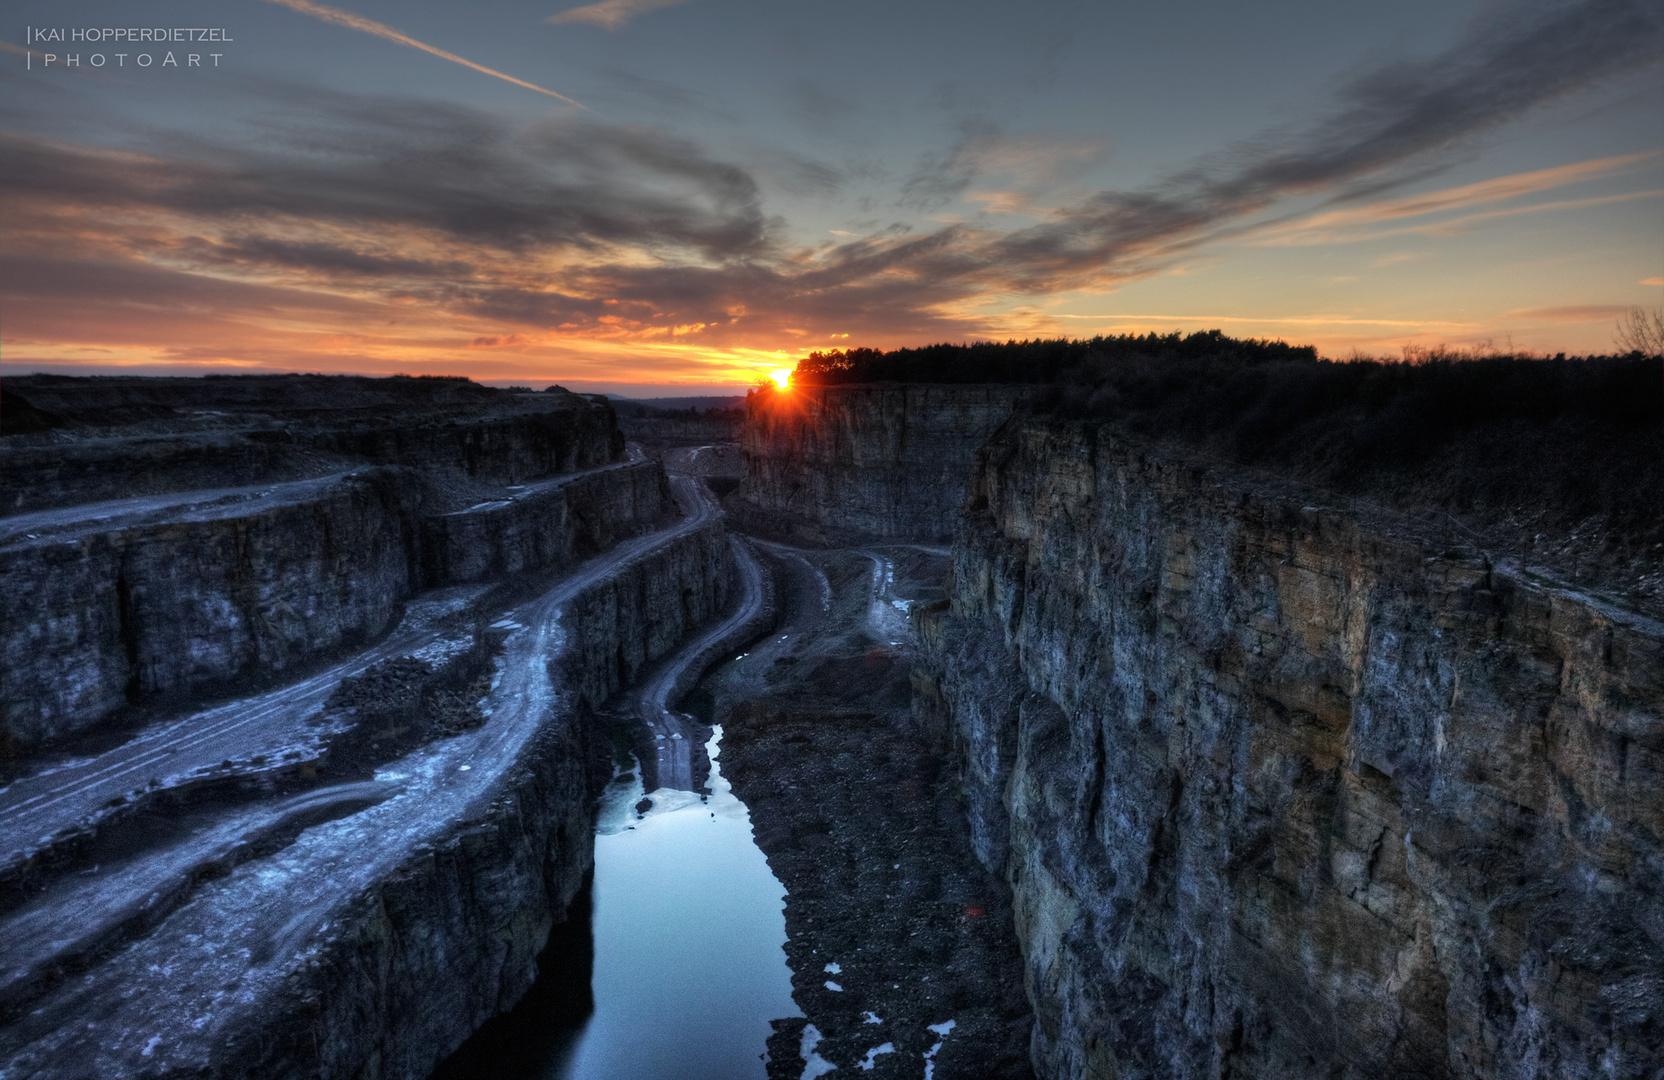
{"x":679,"y":196}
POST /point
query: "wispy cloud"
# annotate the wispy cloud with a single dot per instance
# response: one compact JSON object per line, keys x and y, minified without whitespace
{"x":382,"y":30}
{"x":611,"y":14}
{"x":1032,"y":162}
{"x":1574,"y":313}
{"x":1463,"y":223}
{"x":386,"y":229}
{"x":1386,"y":122}
{"x":1485,"y":191}
{"x":1354,"y":223}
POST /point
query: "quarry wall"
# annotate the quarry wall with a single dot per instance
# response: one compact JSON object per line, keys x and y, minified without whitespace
{"x":196,"y":584}
{"x":370,"y":943}
{"x":375,"y":944}
{"x":120,"y":438}
{"x":1280,"y":793}
{"x":849,"y":461}
{"x":452,"y":939}
{"x":1280,"y":789}
{"x":716,"y":425}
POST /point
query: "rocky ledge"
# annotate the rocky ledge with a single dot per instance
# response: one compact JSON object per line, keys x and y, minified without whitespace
{"x":208,"y":536}
{"x":376,"y":936}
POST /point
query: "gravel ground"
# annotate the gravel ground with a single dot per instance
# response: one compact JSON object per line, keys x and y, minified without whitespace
{"x":894,"y":927}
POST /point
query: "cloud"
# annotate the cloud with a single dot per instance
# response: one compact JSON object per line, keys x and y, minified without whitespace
{"x":406,"y":231}
{"x":1331,"y":226}
{"x":663,"y":98}
{"x":1655,"y":281}
{"x":1576,"y":313}
{"x":1387,"y":121}
{"x":453,"y":174}
{"x":1032,"y":162}
{"x":818,"y":109}
{"x":1001,"y":202}
{"x":382,"y":30}
{"x":802,"y":176}
{"x":610,"y":14}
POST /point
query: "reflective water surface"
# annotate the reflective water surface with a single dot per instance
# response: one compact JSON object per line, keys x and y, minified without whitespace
{"x":689,"y":925}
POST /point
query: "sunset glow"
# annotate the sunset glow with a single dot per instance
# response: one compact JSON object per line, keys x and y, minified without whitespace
{"x":782,"y":378}
{"x":420,"y":211}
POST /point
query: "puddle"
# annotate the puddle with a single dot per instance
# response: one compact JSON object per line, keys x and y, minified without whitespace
{"x":689,"y":936}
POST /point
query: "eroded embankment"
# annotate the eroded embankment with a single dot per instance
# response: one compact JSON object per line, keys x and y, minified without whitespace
{"x":1283,"y":794}
{"x":374,"y":944}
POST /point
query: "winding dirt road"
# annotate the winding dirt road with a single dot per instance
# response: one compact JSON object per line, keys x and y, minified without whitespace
{"x":257,"y":734}
{"x":200,"y":938}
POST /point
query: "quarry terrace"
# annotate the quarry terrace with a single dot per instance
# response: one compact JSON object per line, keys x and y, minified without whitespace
{"x":410,"y":727}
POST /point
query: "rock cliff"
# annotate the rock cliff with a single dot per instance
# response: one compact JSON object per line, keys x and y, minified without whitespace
{"x":126,"y":614}
{"x":665,"y":427}
{"x":832,"y":463}
{"x":347,"y":874}
{"x":115,"y":438}
{"x":373,"y":945}
{"x":1284,"y":791}
{"x":219,"y":553}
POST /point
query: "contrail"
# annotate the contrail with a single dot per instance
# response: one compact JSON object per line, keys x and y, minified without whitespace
{"x":370,"y":26}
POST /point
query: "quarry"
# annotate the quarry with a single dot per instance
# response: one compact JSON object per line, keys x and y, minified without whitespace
{"x":1047,"y":746}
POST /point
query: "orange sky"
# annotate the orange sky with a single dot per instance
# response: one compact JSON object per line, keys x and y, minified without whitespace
{"x":442,"y":210}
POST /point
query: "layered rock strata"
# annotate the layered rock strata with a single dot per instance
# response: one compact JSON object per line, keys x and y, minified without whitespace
{"x":117,"y":438}
{"x":116,"y":615}
{"x":1282,"y":793}
{"x":845,"y":462}
{"x":654,"y":426}
{"x":543,"y":526}
{"x":152,"y":600}
{"x":374,"y":944}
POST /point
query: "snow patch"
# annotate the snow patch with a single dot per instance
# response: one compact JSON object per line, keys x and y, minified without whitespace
{"x":941,"y":1029}
{"x":814,"y":1064}
{"x":887,"y":1048}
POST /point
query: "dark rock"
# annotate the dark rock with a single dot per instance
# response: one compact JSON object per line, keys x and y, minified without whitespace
{"x":1281,"y":793}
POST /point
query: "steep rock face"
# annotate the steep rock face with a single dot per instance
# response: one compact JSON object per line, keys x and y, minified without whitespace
{"x":373,"y":945}
{"x":499,"y":449}
{"x":44,"y":472}
{"x":117,"y":438}
{"x":453,"y":937}
{"x":131,"y":612}
{"x":714,"y":426}
{"x":543,"y":528}
{"x":163,"y":537}
{"x":865,"y":460}
{"x":1283,"y":794}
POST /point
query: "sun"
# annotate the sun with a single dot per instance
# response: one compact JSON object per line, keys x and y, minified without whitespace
{"x":782,"y":378}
